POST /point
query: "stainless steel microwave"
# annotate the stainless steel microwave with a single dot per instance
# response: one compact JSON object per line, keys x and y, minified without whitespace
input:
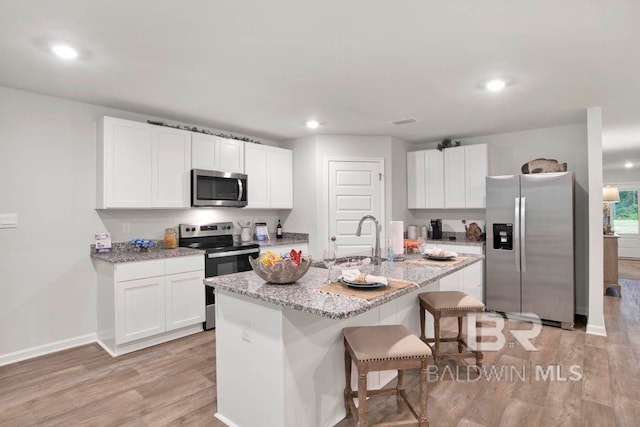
{"x":213,"y":189}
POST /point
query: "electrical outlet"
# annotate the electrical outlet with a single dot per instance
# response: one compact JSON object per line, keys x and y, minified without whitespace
{"x":9,"y":220}
{"x":245,"y":334}
{"x":126,"y":227}
{"x":464,"y":221}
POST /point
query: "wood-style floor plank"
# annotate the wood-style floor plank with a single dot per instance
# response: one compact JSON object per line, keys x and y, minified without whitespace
{"x":174,"y":384}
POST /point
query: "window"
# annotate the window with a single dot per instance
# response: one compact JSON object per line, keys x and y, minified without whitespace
{"x":625,"y":213}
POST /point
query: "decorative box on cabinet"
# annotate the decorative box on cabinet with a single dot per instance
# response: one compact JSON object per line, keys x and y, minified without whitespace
{"x":141,"y":165}
{"x":270,"y":176}
{"x":214,"y":153}
{"x":144,"y":303}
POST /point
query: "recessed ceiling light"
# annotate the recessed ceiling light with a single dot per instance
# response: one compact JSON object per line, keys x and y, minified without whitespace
{"x":628,"y":165}
{"x":495,"y":85}
{"x":312,"y":124}
{"x":64,"y":51}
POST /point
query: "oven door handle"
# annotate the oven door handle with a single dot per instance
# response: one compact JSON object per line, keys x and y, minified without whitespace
{"x":232,"y":253}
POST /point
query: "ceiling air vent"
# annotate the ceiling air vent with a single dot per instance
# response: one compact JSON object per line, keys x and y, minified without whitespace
{"x":403,"y":121}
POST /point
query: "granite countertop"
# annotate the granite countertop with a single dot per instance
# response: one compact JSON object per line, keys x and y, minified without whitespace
{"x":304,"y":296}
{"x":287,"y":239}
{"x":125,"y":252}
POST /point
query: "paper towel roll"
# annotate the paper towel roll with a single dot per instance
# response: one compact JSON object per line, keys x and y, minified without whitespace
{"x":396,"y":234}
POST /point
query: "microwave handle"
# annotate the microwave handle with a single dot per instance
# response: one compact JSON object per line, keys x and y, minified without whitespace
{"x":240,"y":186}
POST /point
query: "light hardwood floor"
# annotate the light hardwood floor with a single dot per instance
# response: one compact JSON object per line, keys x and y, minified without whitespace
{"x":174,"y":383}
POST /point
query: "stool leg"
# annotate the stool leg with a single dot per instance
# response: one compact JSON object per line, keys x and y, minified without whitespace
{"x":399,"y":388}
{"x":460,"y":347}
{"x":362,"y":399}
{"x":423,"y":337}
{"x":479,"y":355}
{"x":436,"y":333}
{"x":347,"y":382}
{"x":423,"y":422}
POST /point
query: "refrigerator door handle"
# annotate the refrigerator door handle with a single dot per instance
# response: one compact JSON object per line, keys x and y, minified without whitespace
{"x":523,"y":233}
{"x":516,"y":234}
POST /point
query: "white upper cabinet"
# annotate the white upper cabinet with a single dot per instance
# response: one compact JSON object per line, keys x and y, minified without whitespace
{"x":476,"y":159}
{"x":210,"y":152}
{"x":452,"y":178}
{"x":170,"y":171}
{"x":141,"y":165}
{"x":269,"y":177}
{"x":465,"y":170}
{"x":425,"y":180}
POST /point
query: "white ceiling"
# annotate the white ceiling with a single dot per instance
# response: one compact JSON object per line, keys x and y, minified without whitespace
{"x":264,"y":67}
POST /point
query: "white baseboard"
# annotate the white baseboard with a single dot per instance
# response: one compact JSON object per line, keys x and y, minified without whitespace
{"x":596,"y":330}
{"x":41,"y":350}
{"x":224,"y":419}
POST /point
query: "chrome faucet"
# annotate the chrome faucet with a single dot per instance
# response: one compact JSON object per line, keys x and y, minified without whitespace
{"x":376,"y":253}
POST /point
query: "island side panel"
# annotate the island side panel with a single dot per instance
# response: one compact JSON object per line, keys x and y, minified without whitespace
{"x":249,"y":365}
{"x":314,"y":367}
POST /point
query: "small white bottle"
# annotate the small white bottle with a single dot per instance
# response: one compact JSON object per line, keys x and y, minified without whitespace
{"x":389,"y":254}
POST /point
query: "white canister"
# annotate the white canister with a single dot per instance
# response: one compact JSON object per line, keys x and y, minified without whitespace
{"x":412,"y":232}
{"x":423,"y":232}
{"x":245,"y":235}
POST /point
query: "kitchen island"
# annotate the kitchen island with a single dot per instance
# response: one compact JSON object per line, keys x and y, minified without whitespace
{"x":279,"y":351}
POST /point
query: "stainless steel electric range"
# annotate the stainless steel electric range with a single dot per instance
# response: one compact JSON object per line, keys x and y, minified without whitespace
{"x":221,"y":257}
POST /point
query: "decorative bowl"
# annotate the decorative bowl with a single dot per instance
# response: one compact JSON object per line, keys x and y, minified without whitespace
{"x":143,"y":245}
{"x":281,"y":273}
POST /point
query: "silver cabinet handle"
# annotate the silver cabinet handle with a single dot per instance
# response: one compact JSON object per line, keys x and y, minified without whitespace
{"x":516,"y":234}
{"x":523,"y":233}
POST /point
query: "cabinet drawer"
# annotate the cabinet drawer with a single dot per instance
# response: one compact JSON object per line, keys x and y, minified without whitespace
{"x":139,"y":270}
{"x":184,"y":264}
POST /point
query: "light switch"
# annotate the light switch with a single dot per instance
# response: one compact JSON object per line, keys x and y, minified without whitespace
{"x":8,"y":220}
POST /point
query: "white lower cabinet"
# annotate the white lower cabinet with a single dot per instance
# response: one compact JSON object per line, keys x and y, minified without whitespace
{"x":470,"y":279}
{"x":144,"y":303}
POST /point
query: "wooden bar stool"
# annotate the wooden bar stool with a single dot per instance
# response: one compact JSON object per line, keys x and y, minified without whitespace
{"x":449,"y":304}
{"x":382,"y":348}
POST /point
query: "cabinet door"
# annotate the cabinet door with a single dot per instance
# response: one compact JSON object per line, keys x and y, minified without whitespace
{"x":230,"y":155}
{"x":256,"y":161}
{"x":476,"y":168}
{"x":454,"y":178}
{"x":416,"y":191}
{"x":472,"y":280}
{"x":170,"y":171}
{"x":127,"y":152}
{"x":281,"y":178}
{"x":140,"y":309}
{"x":204,"y":152}
{"x":434,"y":179}
{"x":185,"y":300}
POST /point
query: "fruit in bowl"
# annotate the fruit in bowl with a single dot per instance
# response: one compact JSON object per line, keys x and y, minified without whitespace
{"x":281,"y":270}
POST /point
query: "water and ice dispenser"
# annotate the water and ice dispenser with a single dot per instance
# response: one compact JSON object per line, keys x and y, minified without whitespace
{"x":503,"y":236}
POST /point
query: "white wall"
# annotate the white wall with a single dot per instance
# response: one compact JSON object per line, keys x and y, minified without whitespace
{"x":47,"y":177}
{"x":309,"y":154}
{"x":507,"y":153}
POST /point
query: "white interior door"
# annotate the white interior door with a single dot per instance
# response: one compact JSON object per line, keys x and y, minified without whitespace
{"x":355,"y":190}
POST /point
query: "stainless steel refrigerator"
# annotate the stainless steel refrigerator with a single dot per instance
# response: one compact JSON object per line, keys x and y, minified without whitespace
{"x":530,"y":245}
